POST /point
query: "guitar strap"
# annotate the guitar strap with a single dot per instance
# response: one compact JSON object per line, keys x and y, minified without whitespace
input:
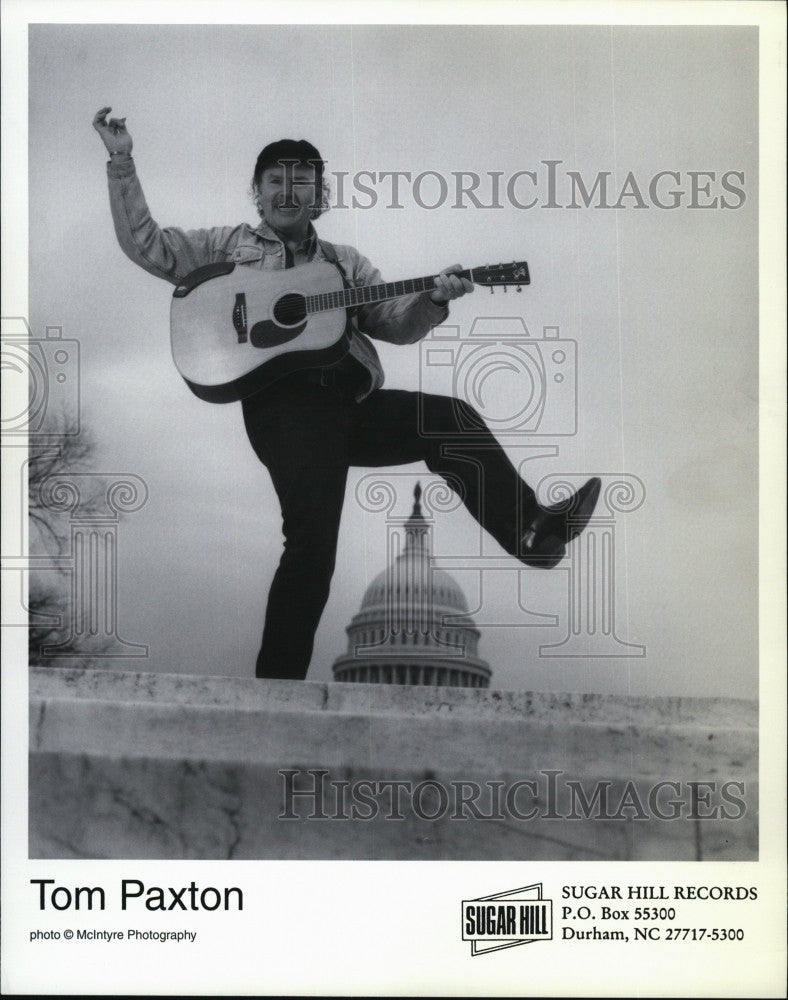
{"x":347,"y":366}
{"x":330,"y":253}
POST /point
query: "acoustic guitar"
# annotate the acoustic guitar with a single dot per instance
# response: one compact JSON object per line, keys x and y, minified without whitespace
{"x":236,"y":329}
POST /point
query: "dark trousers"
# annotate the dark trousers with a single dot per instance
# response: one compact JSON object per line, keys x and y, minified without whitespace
{"x":308,"y":436}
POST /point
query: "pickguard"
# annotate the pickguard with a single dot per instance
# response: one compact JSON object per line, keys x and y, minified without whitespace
{"x":266,"y":333}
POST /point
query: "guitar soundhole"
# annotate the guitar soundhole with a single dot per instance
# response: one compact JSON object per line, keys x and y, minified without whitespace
{"x":290,"y":310}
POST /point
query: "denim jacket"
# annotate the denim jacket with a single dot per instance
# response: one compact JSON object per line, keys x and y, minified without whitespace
{"x":171,"y":253}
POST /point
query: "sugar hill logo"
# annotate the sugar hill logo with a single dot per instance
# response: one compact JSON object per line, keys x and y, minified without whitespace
{"x":507,"y":919}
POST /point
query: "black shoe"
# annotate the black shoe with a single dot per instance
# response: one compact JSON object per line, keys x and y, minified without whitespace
{"x":544,"y":542}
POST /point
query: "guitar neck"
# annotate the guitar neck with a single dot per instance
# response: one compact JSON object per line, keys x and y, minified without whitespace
{"x":367,"y":294}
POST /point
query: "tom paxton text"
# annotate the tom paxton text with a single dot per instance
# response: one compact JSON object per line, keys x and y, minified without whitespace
{"x":133,"y":893}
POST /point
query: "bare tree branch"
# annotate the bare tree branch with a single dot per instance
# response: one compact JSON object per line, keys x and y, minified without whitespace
{"x":48,"y":601}
{"x":62,"y":448}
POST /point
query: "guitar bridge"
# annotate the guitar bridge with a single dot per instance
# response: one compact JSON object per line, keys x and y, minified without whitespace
{"x":239,"y":318}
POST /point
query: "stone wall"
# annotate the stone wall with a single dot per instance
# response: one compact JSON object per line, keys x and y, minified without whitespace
{"x":148,"y":765}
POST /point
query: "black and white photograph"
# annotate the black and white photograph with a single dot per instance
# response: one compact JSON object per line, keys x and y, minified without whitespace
{"x":392,"y":482}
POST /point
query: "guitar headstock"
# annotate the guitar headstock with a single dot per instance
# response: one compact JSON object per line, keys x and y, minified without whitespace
{"x":516,"y":273}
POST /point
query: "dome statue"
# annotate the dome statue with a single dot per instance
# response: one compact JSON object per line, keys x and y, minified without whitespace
{"x":413,"y":626}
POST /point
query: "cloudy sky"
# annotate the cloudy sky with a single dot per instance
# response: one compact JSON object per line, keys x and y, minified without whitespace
{"x":659,"y":304}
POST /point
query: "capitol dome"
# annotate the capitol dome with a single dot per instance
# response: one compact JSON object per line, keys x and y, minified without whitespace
{"x":413,"y":626}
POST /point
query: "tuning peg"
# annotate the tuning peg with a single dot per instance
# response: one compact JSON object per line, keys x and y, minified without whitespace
{"x":492,"y":290}
{"x":506,"y":288}
{"x":519,"y":289}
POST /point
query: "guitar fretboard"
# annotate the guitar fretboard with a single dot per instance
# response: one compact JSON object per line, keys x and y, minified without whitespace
{"x":366,"y":294}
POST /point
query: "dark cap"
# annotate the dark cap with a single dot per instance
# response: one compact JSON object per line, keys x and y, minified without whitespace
{"x":288,"y":149}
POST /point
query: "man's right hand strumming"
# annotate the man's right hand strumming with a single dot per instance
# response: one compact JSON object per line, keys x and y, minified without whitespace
{"x":114,"y":134}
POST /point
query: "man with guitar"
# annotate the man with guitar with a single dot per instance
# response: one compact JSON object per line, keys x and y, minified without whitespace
{"x":308,"y":425}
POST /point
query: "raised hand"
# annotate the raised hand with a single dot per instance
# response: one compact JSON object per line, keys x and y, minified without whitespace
{"x":449,"y":285}
{"x":114,"y":133}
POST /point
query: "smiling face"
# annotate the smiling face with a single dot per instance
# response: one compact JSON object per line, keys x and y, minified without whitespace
{"x":286,"y":198}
